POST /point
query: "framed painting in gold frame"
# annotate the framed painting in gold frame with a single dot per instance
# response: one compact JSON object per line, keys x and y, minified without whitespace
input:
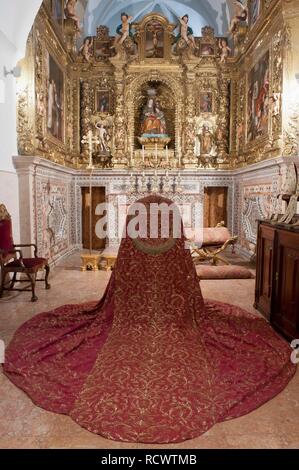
{"x":102,"y":101}
{"x":258,"y":98}
{"x":207,"y":50}
{"x":55,"y":116}
{"x":205,"y":102}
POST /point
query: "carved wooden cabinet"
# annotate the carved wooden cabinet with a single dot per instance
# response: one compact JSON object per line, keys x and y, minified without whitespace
{"x":277,"y":277}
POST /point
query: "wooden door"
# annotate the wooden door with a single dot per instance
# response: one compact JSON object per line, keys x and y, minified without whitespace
{"x":264,"y":272}
{"x":215,"y":206}
{"x":98,"y":196}
{"x":285,"y":314}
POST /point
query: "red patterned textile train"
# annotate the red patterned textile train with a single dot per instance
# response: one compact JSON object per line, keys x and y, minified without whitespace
{"x":152,"y":362}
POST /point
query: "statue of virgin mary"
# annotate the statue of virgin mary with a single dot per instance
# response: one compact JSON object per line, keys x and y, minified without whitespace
{"x":152,"y":120}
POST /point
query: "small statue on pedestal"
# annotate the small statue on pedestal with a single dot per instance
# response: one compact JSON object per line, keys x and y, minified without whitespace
{"x":205,"y":146}
{"x":225,"y":50}
{"x":186,"y":33}
{"x":153,"y":119}
{"x":206,"y":140}
{"x":85,"y":50}
{"x":123,"y":30}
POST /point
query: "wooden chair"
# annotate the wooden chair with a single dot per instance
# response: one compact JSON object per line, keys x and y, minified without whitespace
{"x":13,"y":262}
{"x":215,"y":241}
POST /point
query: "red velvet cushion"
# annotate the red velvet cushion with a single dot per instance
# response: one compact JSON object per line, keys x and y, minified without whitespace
{"x":6,"y":241}
{"x":223,"y":272}
{"x":215,"y":236}
{"x":28,"y":262}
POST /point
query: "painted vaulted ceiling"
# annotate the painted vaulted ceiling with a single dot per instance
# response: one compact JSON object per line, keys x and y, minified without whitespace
{"x":215,"y":13}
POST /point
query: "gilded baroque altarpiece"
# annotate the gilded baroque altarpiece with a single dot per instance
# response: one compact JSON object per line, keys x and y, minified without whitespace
{"x":157,"y":104}
{"x":218,"y":114}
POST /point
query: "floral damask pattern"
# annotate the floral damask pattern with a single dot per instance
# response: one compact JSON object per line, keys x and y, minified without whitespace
{"x":151,"y":362}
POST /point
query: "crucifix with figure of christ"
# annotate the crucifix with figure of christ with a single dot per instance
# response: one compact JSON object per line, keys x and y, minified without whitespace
{"x":90,"y":260}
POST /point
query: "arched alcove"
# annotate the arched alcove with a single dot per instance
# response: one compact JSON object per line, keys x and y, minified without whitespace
{"x":165,"y":99}
{"x":170,"y":96}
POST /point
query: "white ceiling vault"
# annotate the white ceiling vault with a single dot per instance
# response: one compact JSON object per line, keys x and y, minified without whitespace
{"x":215,"y":13}
{"x":16,"y":20}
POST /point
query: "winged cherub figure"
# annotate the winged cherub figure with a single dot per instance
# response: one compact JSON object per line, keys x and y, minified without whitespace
{"x":241,"y":14}
{"x":123,"y":30}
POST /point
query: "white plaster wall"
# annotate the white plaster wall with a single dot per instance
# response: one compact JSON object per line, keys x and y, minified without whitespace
{"x":8,"y":136}
{"x":16,"y":19}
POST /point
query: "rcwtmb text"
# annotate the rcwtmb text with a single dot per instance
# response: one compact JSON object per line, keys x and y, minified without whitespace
{"x":153,"y":459}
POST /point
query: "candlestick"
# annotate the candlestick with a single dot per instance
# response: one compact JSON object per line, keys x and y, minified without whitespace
{"x":167,"y":157}
{"x":143,"y":156}
{"x":156,"y":149}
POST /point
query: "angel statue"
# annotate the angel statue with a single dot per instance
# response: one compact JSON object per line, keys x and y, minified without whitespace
{"x":224,"y":50}
{"x":241,"y":14}
{"x":123,"y":30}
{"x":86,"y":49}
{"x":186,"y":32}
{"x":70,"y":13}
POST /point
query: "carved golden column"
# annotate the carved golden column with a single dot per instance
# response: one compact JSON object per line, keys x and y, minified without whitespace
{"x":290,"y":95}
{"x":224,"y":119}
{"x":119,"y":159}
{"x":234,"y":118}
{"x":189,"y":159}
{"x":70,"y":34}
{"x":85,"y":117}
{"x":76,"y":135}
{"x":279,"y":40}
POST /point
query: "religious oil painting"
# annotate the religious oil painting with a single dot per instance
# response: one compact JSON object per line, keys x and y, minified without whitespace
{"x":207,"y":50}
{"x":102,"y":101}
{"x":55,"y":100}
{"x":102,"y":50}
{"x":258,"y":99}
{"x":255,"y":6}
{"x":206,"y":102}
{"x":154,"y":41}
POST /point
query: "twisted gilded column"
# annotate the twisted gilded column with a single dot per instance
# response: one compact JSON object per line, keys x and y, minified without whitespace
{"x":85,"y":118}
{"x":224,"y":119}
{"x":189,"y":159}
{"x":119,"y":159}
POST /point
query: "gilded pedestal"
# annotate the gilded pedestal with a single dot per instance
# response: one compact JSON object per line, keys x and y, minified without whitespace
{"x":90,"y":261}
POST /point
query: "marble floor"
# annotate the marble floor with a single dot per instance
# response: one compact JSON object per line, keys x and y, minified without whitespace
{"x":24,"y":425}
